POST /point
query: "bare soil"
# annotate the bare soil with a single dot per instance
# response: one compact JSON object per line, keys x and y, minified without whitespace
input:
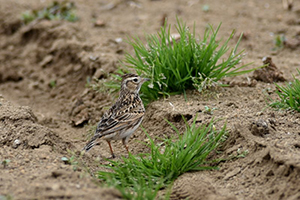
{"x":40,"y":124}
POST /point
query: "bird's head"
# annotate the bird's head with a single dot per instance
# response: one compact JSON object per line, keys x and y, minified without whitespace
{"x":132,"y":83}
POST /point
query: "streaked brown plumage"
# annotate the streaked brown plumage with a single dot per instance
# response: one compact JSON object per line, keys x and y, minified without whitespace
{"x":124,"y":117}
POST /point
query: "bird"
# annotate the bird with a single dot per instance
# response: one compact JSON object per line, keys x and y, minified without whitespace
{"x":124,"y":117}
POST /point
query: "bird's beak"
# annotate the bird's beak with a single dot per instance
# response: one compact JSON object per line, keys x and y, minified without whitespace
{"x":146,"y":79}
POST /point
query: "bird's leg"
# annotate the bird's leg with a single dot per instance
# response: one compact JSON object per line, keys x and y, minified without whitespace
{"x":111,"y":151}
{"x":124,"y":143}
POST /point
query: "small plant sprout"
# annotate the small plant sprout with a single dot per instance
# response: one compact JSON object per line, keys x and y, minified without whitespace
{"x":52,"y":84}
{"x":241,"y":154}
{"x":289,"y":96}
{"x":65,"y":160}
{"x":27,"y":17}
{"x":279,"y":42}
{"x":208,"y":110}
{"x":71,"y":161}
{"x":5,"y":163}
{"x":175,"y":65}
{"x":205,"y":8}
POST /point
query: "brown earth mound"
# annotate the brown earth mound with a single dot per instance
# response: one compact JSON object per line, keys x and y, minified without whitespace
{"x":19,"y":129}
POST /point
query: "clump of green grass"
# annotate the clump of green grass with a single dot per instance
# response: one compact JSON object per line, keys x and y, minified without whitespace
{"x":141,"y":176}
{"x":289,"y":96}
{"x":177,"y":64}
{"x":56,"y":11}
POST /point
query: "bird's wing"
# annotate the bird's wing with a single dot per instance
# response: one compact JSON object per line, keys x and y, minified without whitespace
{"x":112,"y":123}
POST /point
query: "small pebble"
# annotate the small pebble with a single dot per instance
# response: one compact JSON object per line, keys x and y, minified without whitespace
{"x":119,"y":40}
{"x":16,"y":143}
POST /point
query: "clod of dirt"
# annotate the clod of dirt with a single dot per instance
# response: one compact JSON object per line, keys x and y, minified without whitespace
{"x":244,"y":35}
{"x":7,"y":74}
{"x":293,"y":22}
{"x":178,"y":117}
{"x":9,"y":23}
{"x":268,"y":74}
{"x":99,"y":23}
{"x":259,"y":128}
{"x":79,"y":113}
{"x":19,"y":127}
{"x":86,"y":107}
{"x":292,"y":43}
{"x":47,"y":59}
{"x":287,"y":4}
{"x":232,"y":173}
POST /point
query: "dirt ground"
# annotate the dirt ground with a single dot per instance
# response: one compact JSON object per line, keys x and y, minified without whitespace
{"x":40,"y":124}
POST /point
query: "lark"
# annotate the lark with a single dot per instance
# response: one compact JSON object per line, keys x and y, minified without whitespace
{"x":124,"y":117}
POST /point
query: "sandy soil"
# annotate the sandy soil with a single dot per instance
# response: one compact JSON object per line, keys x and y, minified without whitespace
{"x":40,"y":124}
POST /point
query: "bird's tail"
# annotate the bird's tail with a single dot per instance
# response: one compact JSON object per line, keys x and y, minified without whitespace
{"x":90,"y":144}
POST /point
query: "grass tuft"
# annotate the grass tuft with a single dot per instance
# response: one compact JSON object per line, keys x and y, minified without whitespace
{"x":182,"y":62}
{"x":56,"y":11}
{"x":289,"y":96}
{"x":141,"y":176}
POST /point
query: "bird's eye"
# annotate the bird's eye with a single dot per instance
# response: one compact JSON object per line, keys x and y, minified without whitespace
{"x":135,"y":80}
